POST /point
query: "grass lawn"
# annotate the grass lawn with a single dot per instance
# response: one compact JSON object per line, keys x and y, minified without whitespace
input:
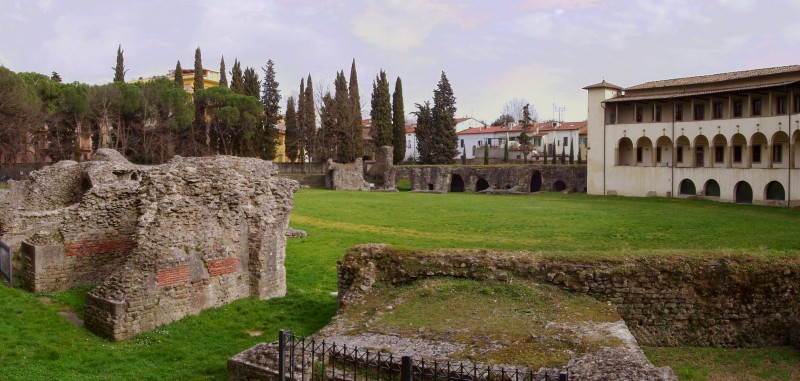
{"x":36,"y":343}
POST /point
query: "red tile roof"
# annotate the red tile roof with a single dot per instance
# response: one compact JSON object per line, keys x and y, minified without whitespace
{"x":702,"y":79}
{"x":543,"y":127}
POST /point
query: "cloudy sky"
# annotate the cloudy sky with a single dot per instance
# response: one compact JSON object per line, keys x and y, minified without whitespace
{"x":544,"y":51}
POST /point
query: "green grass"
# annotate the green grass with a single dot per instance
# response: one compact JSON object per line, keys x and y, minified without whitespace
{"x":38,"y":344}
{"x":729,"y":364}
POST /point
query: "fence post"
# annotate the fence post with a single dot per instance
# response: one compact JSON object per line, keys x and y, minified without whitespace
{"x":405,"y":369}
{"x":562,"y":376}
{"x":282,"y":355}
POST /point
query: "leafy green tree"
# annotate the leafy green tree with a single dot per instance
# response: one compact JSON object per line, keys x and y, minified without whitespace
{"x":235,"y":120}
{"x":237,"y":78}
{"x":381,"y":112}
{"x":271,"y":98}
{"x":571,"y":153}
{"x":68,"y":122}
{"x":292,"y":140}
{"x":55,"y":77}
{"x":444,"y":123}
{"x":178,"y":76}
{"x":22,"y":111}
{"x":198,"y":70}
{"x":524,"y":139}
{"x":167,"y":112}
{"x":425,"y":132}
{"x":119,"y":69}
{"x":398,"y":123}
{"x":252,"y":85}
{"x":223,"y":76}
{"x":503,"y":120}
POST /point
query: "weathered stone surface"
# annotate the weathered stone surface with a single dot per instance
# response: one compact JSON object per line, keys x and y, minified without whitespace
{"x":345,"y":176}
{"x":161,"y":241}
{"x":490,"y":179}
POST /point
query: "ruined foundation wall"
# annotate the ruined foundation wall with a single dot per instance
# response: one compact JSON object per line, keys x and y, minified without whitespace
{"x":497,"y":178}
{"x":345,"y":176}
{"x":727,"y":301}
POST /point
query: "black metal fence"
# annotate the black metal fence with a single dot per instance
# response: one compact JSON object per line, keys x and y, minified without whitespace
{"x":301,"y":359}
{"x":6,"y":267}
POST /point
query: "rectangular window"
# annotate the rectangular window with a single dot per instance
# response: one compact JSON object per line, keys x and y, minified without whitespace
{"x":737,"y":154}
{"x":658,"y":113}
{"x":679,"y":154}
{"x":756,"y":107}
{"x":638,"y":154}
{"x":612,"y":117}
{"x":699,"y":112}
{"x":717,"y":110}
{"x":639,"y":111}
{"x":756,"y":153}
{"x":408,"y":143}
{"x":780,"y":105}
{"x":777,"y":153}
{"x":462,"y":143}
{"x":719,"y":154}
{"x":737,"y":109}
{"x":658,"y":154}
{"x":480,"y":143}
{"x":678,"y":112}
{"x":566,"y":142}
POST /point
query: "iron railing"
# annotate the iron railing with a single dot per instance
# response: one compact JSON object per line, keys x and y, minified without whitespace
{"x":302,"y":359}
{"x":6,"y":267}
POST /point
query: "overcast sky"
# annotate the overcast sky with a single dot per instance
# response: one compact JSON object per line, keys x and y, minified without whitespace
{"x":542,"y":50}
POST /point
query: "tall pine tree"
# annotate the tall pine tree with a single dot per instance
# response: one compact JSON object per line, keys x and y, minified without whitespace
{"x":198,"y":70}
{"x":310,"y":118}
{"x":329,"y":144}
{"x":271,"y":98}
{"x":381,"y":112}
{"x":119,"y":69}
{"x":425,"y":131}
{"x":223,"y":77}
{"x":292,"y":137}
{"x":301,"y":120}
{"x":355,"y":98}
{"x":348,"y":130}
{"x":237,"y":78}
{"x":252,"y":86}
{"x":443,"y":114}
{"x":398,"y":123}
{"x":178,"y":75}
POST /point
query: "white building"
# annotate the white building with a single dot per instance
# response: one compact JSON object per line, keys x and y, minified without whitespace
{"x":729,"y":136}
{"x":466,"y":123}
{"x":554,"y":134}
{"x":411,"y":144}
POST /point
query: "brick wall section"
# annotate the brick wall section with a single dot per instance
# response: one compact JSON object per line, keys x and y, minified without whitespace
{"x":223,"y":266}
{"x":98,"y":247}
{"x":172,"y":276}
{"x":666,"y":300}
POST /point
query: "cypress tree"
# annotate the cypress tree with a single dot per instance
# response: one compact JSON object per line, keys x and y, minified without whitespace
{"x":348,"y":130}
{"x":505,"y":153}
{"x":398,"y":123}
{"x":301,"y":124}
{"x":329,"y":145}
{"x":425,"y":132}
{"x":571,"y":153}
{"x":554,"y":153}
{"x":381,"y":112}
{"x":464,"y":157}
{"x":579,"y":154}
{"x":119,"y":69}
{"x":237,"y":79}
{"x":178,"y":76}
{"x":271,"y":99}
{"x":223,"y":77}
{"x":292,"y":137}
{"x":252,"y":85}
{"x":563,"y":154}
{"x":443,"y":114}
{"x":544,"y":154}
{"x":485,"y":154}
{"x":198,"y":70}
{"x":310,"y":118}
{"x":355,"y":98}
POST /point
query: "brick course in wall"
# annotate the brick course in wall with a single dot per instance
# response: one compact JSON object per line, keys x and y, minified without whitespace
{"x":223,"y":266}
{"x":120,"y":245}
{"x":168,"y":277}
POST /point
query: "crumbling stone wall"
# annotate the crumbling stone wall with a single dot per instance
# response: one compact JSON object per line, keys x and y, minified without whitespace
{"x":345,"y":176}
{"x":669,"y":300}
{"x":495,"y":178}
{"x":162,"y":241}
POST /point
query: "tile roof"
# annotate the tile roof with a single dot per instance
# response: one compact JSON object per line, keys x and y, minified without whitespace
{"x":721,"y":77}
{"x":603,"y":85}
{"x":676,"y":94}
{"x":410,"y":129}
{"x":543,"y":126}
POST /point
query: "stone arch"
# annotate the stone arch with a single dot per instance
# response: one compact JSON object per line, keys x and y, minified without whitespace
{"x":780,"y":150}
{"x":719,"y":150}
{"x":664,"y":151}
{"x":559,"y":186}
{"x":758,"y":147}
{"x":739,"y":150}
{"x":456,"y":183}
{"x":624,"y":152}
{"x":687,"y":188}
{"x":774,"y":191}
{"x":644,"y":152}
{"x":743,"y":193}
{"x":683,"y":151}
{"x":481,"y":185}
{"x":536,"y":181}
{"x":711,"y":188}
{"x":701,"y":152}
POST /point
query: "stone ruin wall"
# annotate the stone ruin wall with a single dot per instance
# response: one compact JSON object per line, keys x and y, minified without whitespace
{"x":162,"y":242}
{"x":727,"y":301}
{"x":349,"y":177}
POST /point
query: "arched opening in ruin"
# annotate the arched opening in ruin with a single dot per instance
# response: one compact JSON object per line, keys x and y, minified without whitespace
{"x":559,"y":186}
{"x":430,"y":186}
{"x":711,"y":188}
{"x":481,"y":185}
{"x":743,"y":192}
{"x":774,"y":191}
{"x":687,"y":188}
{"x":536,"y":181}
{"x":456,"y":184}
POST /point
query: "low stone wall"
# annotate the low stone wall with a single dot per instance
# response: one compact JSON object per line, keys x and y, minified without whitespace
{"x":670,"y":300}
{"x":345,"y":176}
{"x":490,"y":178}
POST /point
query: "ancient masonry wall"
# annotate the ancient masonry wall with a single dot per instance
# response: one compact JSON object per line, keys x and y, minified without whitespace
{"x":670,"y":300}
{"x":161,"y":242}
{"x":491,"y":178}
{"x":345,"y":176}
